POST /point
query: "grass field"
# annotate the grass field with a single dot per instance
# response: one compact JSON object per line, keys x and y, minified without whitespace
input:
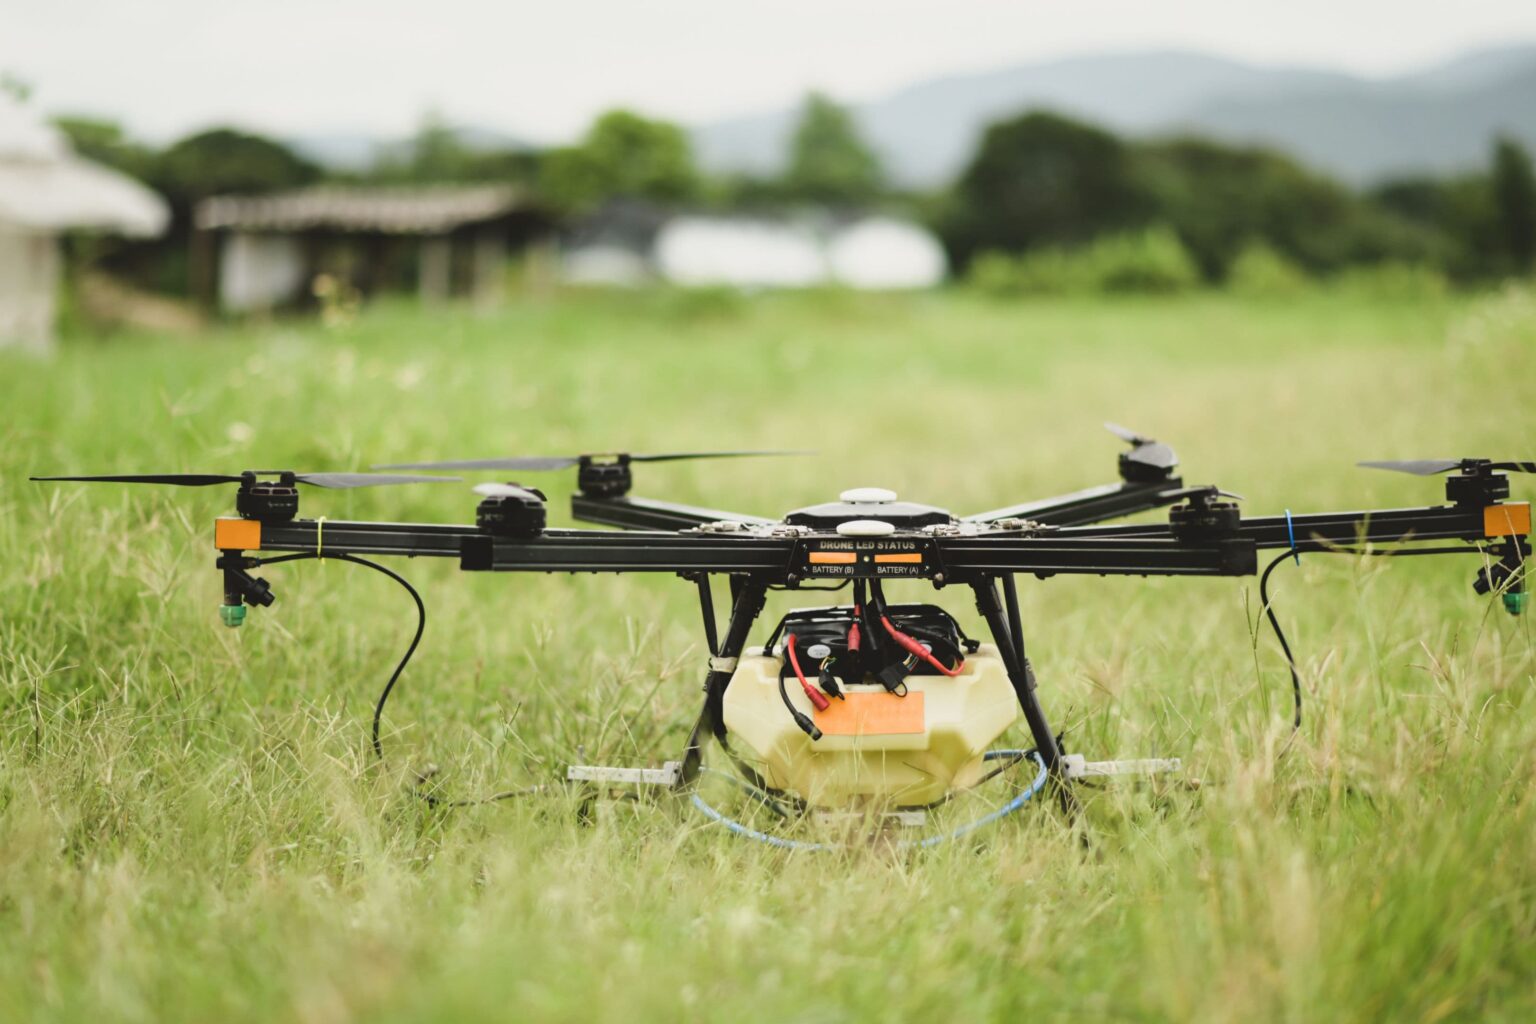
{"x":192,"y":827}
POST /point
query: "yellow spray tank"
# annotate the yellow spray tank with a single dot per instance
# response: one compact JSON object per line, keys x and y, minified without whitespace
{"x":908,"y":750}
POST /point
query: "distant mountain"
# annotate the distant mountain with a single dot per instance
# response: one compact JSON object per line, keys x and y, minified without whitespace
{"x":1377,"y":130}
{"x":1437,"y":119}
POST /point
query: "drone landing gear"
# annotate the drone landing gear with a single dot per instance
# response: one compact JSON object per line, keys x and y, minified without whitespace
{"x":748,"y":595}
{"x":1008,"y":634}
{"x":1076,"y":766}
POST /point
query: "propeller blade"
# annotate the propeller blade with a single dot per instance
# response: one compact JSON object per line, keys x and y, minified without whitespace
{"x":335,"y":481}
{"x":541,"y":463}
{"x":1429,"y":467}
{"x":1126,"y":434}
{"x":1190,"y":492}
{"x":675,"y":456}
{"x":534,"y":463}
{"x":171,"y":479}
{"x":1154,"y":453}
{"x":345,"y":481}
{"x":1418,"y":467}
{"x":507,"y":491}
{"x":1145,"y":450}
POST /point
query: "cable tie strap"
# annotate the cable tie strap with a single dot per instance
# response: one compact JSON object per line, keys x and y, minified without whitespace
{"x":717,"y":664}
{"x":1290,"y":529}
{"x":320,"y":538}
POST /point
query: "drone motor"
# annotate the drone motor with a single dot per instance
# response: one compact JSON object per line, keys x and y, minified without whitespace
{"x":510,"y":510}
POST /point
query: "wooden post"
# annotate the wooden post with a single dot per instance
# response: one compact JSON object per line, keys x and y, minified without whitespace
{"x":204,"y":270}
{"x":435,"y":278}
{"x":489,"y":267}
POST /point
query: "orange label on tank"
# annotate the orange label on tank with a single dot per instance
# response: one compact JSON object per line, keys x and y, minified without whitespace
{"x":1509,"y":520}
{"x":873,"y":714}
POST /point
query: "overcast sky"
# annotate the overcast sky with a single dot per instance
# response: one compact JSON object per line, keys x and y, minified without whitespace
{"x":541,"y":71}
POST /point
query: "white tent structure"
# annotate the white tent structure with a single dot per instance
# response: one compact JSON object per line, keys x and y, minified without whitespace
{"x":46,"y":190}
{"x":621,"y":247}
{"x":740,"y":252}
{"x":881,"y":253}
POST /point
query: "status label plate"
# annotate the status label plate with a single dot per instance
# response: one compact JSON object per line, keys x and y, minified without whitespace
{"x":237,"y":534}
{"x":873,"y":714}
{"x":846,"y":557}
{"x":1509,"y":520}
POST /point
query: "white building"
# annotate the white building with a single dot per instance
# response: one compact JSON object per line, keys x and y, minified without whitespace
{"x":265,"y":251}
{"x":627,"y":244}
{"x":739,"y":252}
{"x":46,"y":191}
{"x":880,"y":253}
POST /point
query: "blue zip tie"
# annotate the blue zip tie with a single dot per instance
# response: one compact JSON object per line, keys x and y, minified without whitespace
{"x":1290,"y":528}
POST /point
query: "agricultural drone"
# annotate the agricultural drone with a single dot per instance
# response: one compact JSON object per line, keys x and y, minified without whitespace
{"x":869,"y":703}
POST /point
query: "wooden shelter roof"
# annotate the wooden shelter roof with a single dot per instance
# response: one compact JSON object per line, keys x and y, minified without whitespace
{"x":427,"y":210}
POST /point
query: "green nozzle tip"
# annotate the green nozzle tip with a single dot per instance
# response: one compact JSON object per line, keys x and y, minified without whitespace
{"x":1516,"y":601}
{"x":232,"y":614}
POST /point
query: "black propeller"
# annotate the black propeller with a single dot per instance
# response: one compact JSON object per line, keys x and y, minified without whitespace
{"x":334,"y":481}
{"x":1200,"y":494}
{"x":538,"y":463}
{"x":1429,"y":467}
{"x":1145,"y":451}
{"x":509,"y":491}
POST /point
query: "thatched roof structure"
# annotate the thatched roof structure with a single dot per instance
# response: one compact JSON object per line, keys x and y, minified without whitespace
{"x":45,"y":188}
{"x":431,"y":210}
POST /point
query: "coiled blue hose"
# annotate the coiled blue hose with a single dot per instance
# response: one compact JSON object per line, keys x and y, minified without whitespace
{"x":1010,"y":807}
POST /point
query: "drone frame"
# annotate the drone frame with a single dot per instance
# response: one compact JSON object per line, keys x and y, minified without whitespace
{"x":1204,"y":536}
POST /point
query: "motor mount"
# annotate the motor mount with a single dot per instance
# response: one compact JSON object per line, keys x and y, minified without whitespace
{"x":1204,"y":517}
{"x":268,"y":501}
{"x":512,"y":511}
{"x":604,"y":479}
{"x":1476,"y":485}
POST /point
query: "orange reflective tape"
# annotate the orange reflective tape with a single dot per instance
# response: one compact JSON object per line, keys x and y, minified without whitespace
{"x":911,"y":558}
{"x":1511,"y":520}
{"x":873,"y":714}
{"x":237,"y":534}
{"x":833,"y":557}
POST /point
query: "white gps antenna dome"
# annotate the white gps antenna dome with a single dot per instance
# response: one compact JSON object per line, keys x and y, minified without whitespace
{"x":868,"y":496}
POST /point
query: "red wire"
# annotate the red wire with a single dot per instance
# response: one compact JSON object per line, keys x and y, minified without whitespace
{"x":913,"y":647}
{"x":816,"y":696}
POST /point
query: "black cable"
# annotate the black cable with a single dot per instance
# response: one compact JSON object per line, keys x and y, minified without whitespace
{"x":1290,"y":660}
{"x":378,"y":707}
{"x":801,"y":719}
{"x":1269,"y":610}
{"x":1400,"y":552}
{"x":421,"y":626}
{"x":803,"y":587}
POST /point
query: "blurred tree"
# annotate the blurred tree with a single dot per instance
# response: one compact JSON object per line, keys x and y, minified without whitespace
{"x":1222,"y":199}
{"x":1460,"y":211}
{"x":1514,"y":197}
{"x":829,"y":163}
{"x":105,"y":142}
{"x":437,"y":154}
{"x":15,"y":87}
{"x":623,"y":155}
{"x":224,"y":160}
{"x":1041,"y":179}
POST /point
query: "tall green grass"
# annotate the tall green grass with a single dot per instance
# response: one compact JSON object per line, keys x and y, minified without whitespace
{"x":192,"y":828}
